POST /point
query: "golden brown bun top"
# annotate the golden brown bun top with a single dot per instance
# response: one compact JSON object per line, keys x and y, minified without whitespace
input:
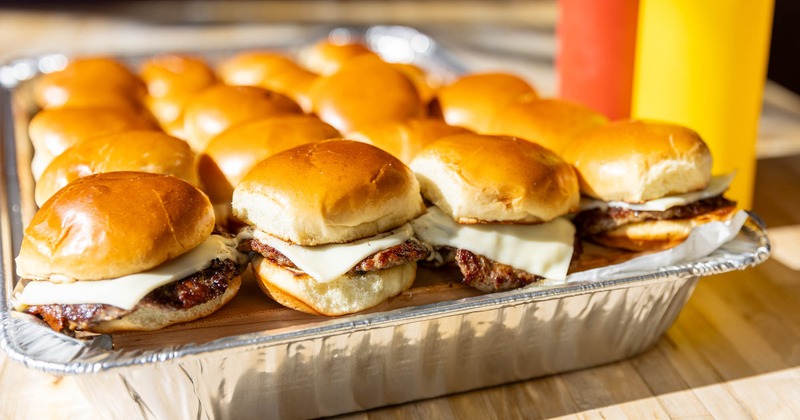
{"x":427,"y":84}
{"x":87,"y":74}
{"x":140,"y":150}
{"x":472,"y":100}
{"x":327,"y":57}
{"x":99,"y":98}
{"x":271,"y":71}
{"x":364,"y":90}
{"x":484,"y":179}
{"x":231,"y":154}
{"x":253,"y":68}
{"x":333,"y":192}
{"x":57,"y":129}
{"x":108,"y":225}
{"x":403,"y":139}
{"x":551,"y":123}
{"x":168,"y":74}
{"x":636,"y":161}
{"x":219,"y":107}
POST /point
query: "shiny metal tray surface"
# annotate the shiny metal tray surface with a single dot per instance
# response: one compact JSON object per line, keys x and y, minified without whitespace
{"x":338,"y":365}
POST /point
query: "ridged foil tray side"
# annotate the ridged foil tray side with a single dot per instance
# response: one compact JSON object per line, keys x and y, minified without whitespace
{"x":372,"y":366}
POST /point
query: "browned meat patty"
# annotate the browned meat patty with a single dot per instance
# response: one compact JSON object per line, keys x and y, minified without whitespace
{"x":409,"y":251}
{"x":595,"y":221}
{"x":491,"y":276}
{"x":193,"y":290}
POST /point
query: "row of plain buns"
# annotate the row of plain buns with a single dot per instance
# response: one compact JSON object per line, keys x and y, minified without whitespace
{"x":258,"y":103}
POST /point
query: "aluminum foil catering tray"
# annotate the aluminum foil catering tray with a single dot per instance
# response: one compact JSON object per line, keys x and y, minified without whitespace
{"x":438,"y":338}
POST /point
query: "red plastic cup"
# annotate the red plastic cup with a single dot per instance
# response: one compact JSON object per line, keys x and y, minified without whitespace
{"x":597,"y":42}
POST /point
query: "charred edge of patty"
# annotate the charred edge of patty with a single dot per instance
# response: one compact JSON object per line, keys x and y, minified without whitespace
{"x":491,"y":276}
{"x":410,"y":251}
{"x":597,"y":221}
{"x":195,"y":289}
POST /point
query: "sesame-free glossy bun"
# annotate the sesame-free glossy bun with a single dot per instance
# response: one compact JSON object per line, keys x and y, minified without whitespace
{"x":328,"y":192}
{"x":85,"y":75}
{"x":252,"y":68}
{"x":231,"y":154}
{"x":271,"y":71}
{"x":219,"y":107}
{"x":141,"y":151}
{"x":108,"y":225}
{"x":365,"y":90}
{"x":488,"y":179}
{"x":472,"y":100}
{"x":636,"y":161}
{"x":54,"y":130}
{"x":346,"y":294}
{"x":327,"y":57}
{"x":426,"y":83}
{"x":166,"y":74}
{"x":172,"y":80}
{"x":403,"y":139}
{"x":99,"y":98}
{"x":551,"y":123}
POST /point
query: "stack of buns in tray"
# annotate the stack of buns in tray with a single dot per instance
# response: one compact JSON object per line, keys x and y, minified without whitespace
{"x":334,"y":173}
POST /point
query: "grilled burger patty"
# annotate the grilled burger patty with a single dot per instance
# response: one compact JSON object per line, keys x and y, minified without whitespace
{"x":195,"y":289}
{"x":409,"y":251}
{"x":596,"y":221}
{"x":491,"y":276}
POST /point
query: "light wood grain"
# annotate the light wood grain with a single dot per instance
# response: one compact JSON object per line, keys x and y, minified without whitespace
{"x":734,"y":351}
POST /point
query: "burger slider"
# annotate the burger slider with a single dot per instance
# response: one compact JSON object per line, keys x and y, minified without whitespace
{"x":125,"y":251}
{"x":551,"y":122}
{"x":363,"y":91}
{"x":54,"y":130}
{"x":404,"y":138}
{"x":172,"y":81}
{"x":473,"y":100}
{"x":88,"y":79}
{"x":327,"y":56}
{"x":328,"y":226}
{"x":219,"y":107}
{"x":136,"y":150}
{"x":648,"y":184}
{"x":497,"y":207}
{"x":272,"y":71}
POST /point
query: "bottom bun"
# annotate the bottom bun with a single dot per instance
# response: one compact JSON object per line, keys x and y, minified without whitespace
{"x":659,"y":234}
{"x":151,"y":318}
{"x":344,"y":295}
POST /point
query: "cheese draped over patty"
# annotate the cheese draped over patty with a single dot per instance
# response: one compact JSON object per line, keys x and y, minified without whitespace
{"x":125,"y":292}
{"x":542,"y":249}
{"x":326,"y":263}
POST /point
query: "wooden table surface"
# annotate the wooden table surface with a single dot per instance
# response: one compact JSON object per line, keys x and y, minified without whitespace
{"x":734,"y":351}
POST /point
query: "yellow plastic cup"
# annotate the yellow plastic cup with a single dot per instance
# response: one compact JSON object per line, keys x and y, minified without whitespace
{"x":703,"y":64}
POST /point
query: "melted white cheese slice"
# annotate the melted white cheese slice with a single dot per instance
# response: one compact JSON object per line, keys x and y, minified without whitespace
{"x":717,"y":186}
{"x":125,"y":292}
{"x":544,"y":249}
{"x":326,"y":263}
